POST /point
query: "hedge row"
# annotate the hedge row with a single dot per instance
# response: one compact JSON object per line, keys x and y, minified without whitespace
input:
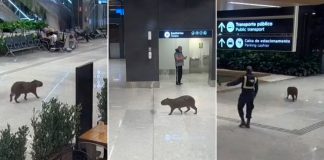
{"x":286,"y":63}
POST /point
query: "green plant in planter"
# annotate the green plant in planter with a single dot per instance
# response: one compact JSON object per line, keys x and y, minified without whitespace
{"x":102,"y":104}
{"x":13,"y":145}
{"x":3,"y":48}
{"x":55,"y":127}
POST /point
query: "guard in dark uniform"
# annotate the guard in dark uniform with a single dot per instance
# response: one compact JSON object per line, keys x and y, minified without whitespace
{"x":249,"y":91}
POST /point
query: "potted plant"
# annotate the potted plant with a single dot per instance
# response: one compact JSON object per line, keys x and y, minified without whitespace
{"x":102,"y":104}
{"x":55,"y":128}
{"x":13,"y":145}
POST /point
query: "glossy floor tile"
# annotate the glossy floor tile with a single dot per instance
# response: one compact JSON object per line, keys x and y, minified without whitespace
{"x":141,"y":129}
{"x":281,"y":129}
{"x":56,"y":71}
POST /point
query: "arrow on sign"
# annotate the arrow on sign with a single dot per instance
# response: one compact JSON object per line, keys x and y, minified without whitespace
{"x":221,"y":26}
{"x":222,"y":42}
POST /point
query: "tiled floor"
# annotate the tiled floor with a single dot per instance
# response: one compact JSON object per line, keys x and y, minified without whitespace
{"x":273,"y":116}
{"x":56,"y":71}
{"x":141,"y":129}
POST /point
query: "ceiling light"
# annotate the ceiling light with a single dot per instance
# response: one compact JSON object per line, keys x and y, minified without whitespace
{"x":254,"y":4}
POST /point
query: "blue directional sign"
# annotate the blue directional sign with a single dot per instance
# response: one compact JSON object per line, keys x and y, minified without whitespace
{"x":255,"y":43}
{"x":256,"y":26}
{"x":259,"y":34}
{"x":186,"y":34}
{"x":102,"y":1}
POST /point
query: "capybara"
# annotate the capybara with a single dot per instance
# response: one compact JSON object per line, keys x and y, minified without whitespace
{"x":21,"y":87}
{"x":183,"y":101}
{"x":293,"y":91}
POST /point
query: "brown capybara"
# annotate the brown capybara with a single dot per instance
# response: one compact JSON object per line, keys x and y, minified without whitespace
{"x":293,"y":91}
{"x":183,"y":101}
{"x":20,"y":87}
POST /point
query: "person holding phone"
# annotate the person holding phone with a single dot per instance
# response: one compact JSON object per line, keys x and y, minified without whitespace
{"x":179,"y":59}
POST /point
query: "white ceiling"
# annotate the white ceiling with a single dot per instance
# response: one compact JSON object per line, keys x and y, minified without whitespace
{"x":224,"y":5}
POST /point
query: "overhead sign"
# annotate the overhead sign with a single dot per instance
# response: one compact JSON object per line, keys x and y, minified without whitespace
{"x":258,"y":34}
{"x":102,"y":1}
{"x":255,"y":43}
{"x":186,"y":34}
{"x":255,"y":26}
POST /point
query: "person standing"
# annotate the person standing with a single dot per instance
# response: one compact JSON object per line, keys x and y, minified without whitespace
{"x":179,"y":59}
{"x":249,"y":91}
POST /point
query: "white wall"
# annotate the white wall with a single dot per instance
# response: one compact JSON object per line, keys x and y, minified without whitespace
{"x":195,"y":51}
{"x":190,"y":48}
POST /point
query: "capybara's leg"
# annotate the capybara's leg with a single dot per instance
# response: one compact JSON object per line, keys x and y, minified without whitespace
{"x":296,"y":96}
{"x":16,"y":97}
{"x":188,"y":108}
{"x":180,"y":110}
{"x":195,"y":108}
{"x":11,"y":97}
{"x":171,"y":110}
{"x":25,"y":96}
{"x":35,"y":94}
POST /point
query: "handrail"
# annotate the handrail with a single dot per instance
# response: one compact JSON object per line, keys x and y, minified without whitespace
{"x":13,"y":7}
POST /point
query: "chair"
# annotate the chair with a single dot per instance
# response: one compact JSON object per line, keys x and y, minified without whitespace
{"x":69,"y":153}
{"x":86,"y":145}
{"x":100,"y":34}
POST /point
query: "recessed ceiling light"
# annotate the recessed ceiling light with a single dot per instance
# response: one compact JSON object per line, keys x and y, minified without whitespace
{"x":254,"y":4}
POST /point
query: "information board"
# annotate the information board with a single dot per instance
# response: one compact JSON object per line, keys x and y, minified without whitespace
{"x":256,"y":26}
{"x":255,"y":43}
{"x":260,"y":34}
{"x":186,"y":34}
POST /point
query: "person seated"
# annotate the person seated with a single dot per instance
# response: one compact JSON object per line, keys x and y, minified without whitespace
{"x":44,"y":39}
{"x":72,"y":41}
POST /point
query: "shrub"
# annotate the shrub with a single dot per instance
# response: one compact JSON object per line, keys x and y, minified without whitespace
{"x":13,"y":145}
{"x":272,"y":62}
{"x":3,"y":48}
{"x":23,"y":25}
{"x":55,"y":127}
{"x":102,"y":105}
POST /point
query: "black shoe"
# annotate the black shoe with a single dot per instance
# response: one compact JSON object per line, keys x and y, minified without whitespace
{"x":180,"y":83}
{"x":177,"y":83}
{"x":248,"y":123}
{"x":242,"y":125}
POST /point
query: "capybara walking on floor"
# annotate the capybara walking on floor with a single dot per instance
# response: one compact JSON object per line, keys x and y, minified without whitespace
{"x":293,"y":91}
{"x":21,"y":87}
{"x":183,"y":101}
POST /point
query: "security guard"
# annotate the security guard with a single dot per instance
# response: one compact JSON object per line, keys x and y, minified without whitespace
{"x":249,"y":91}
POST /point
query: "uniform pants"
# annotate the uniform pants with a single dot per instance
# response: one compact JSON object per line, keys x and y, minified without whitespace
{"x":178,"y":74}
{"x":245,"y":99}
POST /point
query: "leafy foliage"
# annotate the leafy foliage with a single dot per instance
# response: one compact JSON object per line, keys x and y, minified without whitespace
{"x":3,"y":48}
{"x":23,"y":25}
{"x":102,"y":105}
{"x":55,"y":127}
{"x":272,"y":62}
{"x":13,"y":145}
